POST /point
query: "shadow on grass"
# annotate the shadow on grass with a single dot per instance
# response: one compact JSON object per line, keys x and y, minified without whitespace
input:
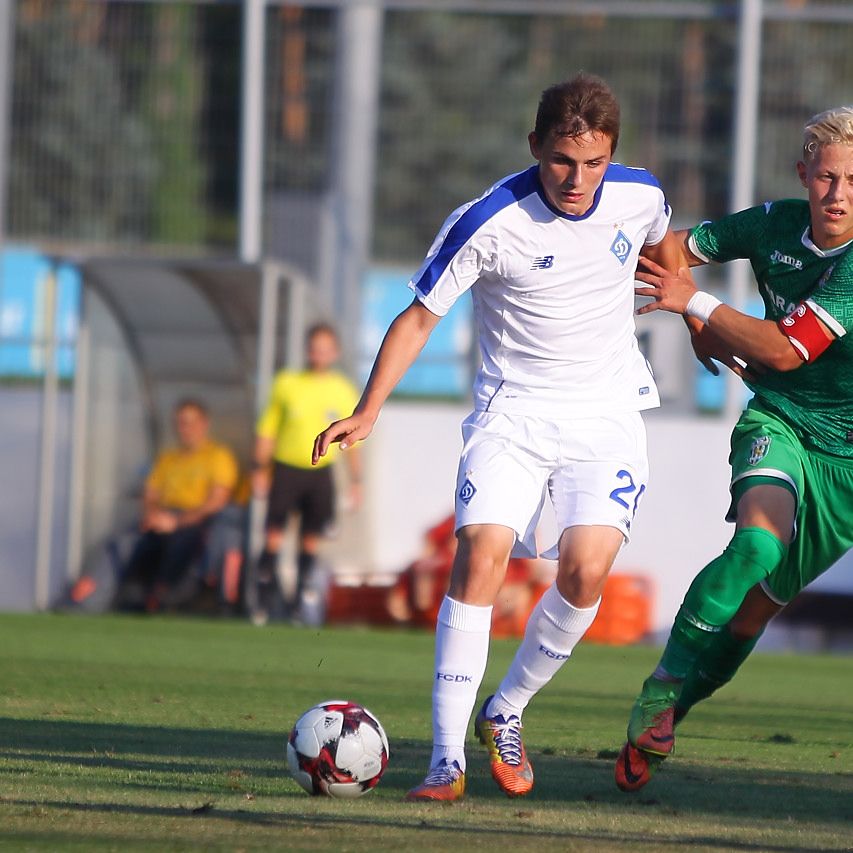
{"x":691,"y":789}
{"x":140,"y":748}
{"x":418,"y":822}
{"x":182,"y":757}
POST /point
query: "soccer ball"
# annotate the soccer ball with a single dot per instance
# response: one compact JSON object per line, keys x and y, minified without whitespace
{"x":337,"y":748}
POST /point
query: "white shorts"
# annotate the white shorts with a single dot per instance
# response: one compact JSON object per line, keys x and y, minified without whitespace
{"x":595,"y":471}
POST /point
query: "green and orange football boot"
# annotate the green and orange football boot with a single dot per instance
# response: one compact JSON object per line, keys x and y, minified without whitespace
{"x":652,"y":723}
{"x":635,"y":767}
{"x":651,"y":734}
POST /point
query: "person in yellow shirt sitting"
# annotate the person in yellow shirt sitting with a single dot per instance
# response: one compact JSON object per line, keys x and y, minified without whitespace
{"x":300,"y":404}
{"x":187,"y":486}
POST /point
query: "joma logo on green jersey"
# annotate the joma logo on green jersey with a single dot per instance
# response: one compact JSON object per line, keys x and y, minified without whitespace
{"x":778,"y":258}
{"x":779,"y":301}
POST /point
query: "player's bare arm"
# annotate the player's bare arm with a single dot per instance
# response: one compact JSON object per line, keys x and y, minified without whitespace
{"x":673,"y":253}
{"x":708,"y":347}
{"x":755,"y":340}
{"x":668,"y":253}
{"x":402,"y":344}
{"x":683,"y":237}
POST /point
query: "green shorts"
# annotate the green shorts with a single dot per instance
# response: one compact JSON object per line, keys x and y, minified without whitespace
{"x":764,"y":446}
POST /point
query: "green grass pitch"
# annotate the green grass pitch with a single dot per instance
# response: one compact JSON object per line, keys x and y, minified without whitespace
{"x":168,"y":734}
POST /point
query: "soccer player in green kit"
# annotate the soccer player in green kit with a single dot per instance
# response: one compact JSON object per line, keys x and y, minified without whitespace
{"x":791,"y":450}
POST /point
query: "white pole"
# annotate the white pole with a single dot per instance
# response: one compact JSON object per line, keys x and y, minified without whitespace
{"x":47,"y":447}
{"x":267,"y":328}
{"x":252,"y":132}
{"x":270,"y":283}
{"x":7,"y":54}
{"x":360,"y":47}
{"x":747,"y":90}
{"x":79,"y":441}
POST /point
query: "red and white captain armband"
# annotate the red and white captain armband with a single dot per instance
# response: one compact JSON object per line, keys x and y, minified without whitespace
{"x":803,"y":328}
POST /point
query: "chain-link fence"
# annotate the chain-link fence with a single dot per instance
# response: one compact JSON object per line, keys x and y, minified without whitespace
{"x":125,"y":116}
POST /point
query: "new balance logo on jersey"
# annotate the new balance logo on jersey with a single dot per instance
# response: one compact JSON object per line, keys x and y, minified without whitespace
{"x":778,"y":258}
{"x":543,"y":263}
{"x":621,"y":247}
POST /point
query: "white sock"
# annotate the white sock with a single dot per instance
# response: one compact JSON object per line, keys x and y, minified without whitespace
{"x":553,"y":630}
{"x":461,"y":652}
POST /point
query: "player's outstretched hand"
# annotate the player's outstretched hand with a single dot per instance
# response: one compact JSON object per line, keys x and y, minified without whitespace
{"x":710,"y":348}
{"x":669,"y":292}
{"x":347,"y":431}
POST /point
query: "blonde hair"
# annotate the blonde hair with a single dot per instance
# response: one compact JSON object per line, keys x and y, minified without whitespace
{"x":831,"y":127}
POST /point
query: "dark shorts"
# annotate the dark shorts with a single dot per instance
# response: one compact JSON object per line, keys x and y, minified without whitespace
{"x":308,"y":491}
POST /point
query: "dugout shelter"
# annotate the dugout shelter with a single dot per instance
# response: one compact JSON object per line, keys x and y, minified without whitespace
{"x":152,"y":331}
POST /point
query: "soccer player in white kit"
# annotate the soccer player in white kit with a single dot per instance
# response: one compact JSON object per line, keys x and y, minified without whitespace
{"x":549,"y":256}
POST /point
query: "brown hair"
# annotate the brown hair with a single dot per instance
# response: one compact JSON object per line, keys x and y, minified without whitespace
{"x":584,"y":104}
{"x":191,"y":403}
{"x":322,"y":329}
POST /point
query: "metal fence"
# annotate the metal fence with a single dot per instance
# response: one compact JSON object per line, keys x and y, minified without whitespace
{"x":125,"y":117}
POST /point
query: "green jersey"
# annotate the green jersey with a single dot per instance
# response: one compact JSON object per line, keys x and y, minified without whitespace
{"x":816,"y":398}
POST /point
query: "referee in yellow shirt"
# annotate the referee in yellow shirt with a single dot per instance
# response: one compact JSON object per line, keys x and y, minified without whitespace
{"x":300,"y":405}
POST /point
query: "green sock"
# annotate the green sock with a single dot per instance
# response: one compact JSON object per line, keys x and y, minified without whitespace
{"x":714,"y":667}
{"x":715,"y":595}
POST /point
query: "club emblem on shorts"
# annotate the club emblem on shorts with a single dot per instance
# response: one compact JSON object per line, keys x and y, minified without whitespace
{"x":467,"y":492}
{"x":759,"y":449}
{"x":621,"y":247}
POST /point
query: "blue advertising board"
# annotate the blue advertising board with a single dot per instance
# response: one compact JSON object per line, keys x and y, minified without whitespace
{"x":24,"y":278}
{"x":443,"y":369}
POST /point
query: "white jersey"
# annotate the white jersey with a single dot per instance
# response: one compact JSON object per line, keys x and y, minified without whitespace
{"x":553,"y":293}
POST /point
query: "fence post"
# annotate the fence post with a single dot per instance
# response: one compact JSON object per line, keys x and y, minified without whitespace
{"x":747,"y":89}
{"x":47,"y":445}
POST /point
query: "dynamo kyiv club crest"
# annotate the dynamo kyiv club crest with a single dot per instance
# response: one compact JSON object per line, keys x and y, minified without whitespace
{"x":759,"y":449}
{"x":467,"y":492}
{"x":621,"y":247}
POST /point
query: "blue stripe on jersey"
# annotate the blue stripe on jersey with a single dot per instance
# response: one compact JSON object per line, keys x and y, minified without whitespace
{"x":618,"y":173}
{"x":510,"y":192}
{"x":630,"y":175}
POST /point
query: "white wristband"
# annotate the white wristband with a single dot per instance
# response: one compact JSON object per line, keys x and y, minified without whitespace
{"x":702,"y":305}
